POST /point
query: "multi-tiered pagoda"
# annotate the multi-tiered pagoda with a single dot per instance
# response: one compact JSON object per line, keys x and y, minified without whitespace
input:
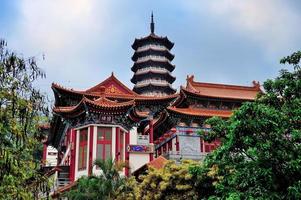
{"x":152,"y":65}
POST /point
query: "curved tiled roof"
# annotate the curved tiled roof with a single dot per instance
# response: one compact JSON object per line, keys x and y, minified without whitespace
{"x":152,"y":50}
{"x":201,"y":112}
{"x":136,"y":97}
{"x":100,"y":103}
{"x":222,"y":90}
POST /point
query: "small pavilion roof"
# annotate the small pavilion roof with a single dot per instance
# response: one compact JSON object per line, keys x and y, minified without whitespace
{"x":222,"y":90}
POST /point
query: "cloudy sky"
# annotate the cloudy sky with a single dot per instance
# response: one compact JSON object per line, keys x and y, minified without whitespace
{"x":225,"y":41}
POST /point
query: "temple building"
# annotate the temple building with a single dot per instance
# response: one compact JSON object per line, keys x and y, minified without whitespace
{"x":152,"y":65}
{"x":110,"y":120}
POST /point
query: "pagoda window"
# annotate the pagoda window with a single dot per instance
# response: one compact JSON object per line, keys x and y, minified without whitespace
{"x":104,"y":143}
{"x":82,"y":156}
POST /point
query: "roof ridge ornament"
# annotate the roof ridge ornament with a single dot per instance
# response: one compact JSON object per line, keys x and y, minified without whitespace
{"x":152,"y":24}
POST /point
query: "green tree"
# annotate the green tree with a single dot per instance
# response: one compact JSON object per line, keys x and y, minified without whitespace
{"x":21,"y":109}
{"x":102,"y":186}
{"x":260,"y":156}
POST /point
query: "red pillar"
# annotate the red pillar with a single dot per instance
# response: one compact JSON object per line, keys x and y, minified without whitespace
{"x":117,"y":144}
{"x":151,"y":137}
{"x":177,"y":144}
{"x":127,"y":156}
{"x":44,"y":154}
{"x":91,"y":150}
{"x":73,"y":153}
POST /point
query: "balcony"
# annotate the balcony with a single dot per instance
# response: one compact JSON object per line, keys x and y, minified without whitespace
{"x":178,"y":156}
{"x":154,"y":82}
{"x":154,"y":69}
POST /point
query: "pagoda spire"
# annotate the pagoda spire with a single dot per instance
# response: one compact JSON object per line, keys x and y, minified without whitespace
{"x":152,"y":24}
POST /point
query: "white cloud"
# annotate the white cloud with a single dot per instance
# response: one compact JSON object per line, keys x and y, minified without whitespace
{"x":66,"y":31}
{"x":53,"y":24}
{"x":271,"y":23}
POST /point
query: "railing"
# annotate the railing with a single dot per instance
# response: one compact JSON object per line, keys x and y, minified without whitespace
{"x":178,"y":156}
{"x":158,"y":47}
{"x":66,"y":156}
{"x":63,"y":179}
{"x":63,"y":176}
{"x":185,"y":129}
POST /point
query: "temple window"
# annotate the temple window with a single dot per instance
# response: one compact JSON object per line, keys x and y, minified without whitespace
{"x":82,"y":156}
{"x":104,"y":143}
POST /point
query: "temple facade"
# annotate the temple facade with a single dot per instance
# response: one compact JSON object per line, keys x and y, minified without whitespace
{"x":136,"y":126}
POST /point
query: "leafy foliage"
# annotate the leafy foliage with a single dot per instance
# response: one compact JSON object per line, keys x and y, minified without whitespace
{"x":260,"y":156}
{"x":102,"y":186}
{"x":173,"y":181}
{"x":21,"y":109}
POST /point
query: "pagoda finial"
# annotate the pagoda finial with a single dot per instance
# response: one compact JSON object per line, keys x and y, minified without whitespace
{"x":152,"y":24}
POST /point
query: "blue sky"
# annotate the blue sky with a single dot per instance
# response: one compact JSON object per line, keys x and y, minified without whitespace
{"x":224,"y":41}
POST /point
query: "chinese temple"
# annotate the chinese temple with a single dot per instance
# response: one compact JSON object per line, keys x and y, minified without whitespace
{"x":110,"y":120}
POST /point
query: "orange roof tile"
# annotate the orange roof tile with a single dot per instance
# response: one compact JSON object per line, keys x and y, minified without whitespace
{"x":201,"y":112}
{"x":222,"y":90}
{"x":158,"y":163}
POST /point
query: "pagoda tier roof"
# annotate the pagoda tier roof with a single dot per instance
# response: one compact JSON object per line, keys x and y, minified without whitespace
{"x":221,"y":91}
{"x":153,"y":62}
{"x":197,"y":112}
{"x":152,"y":38}
{"x":101,"y":104}
{"x":166,"y":74}
{"x":150,"y":58}
{"x":153,"y":51}
{"x":165,"y":87}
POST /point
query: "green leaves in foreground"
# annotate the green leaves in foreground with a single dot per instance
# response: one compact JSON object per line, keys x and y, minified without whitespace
{"x":260,"y":156}
{"x":21,"y":110}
